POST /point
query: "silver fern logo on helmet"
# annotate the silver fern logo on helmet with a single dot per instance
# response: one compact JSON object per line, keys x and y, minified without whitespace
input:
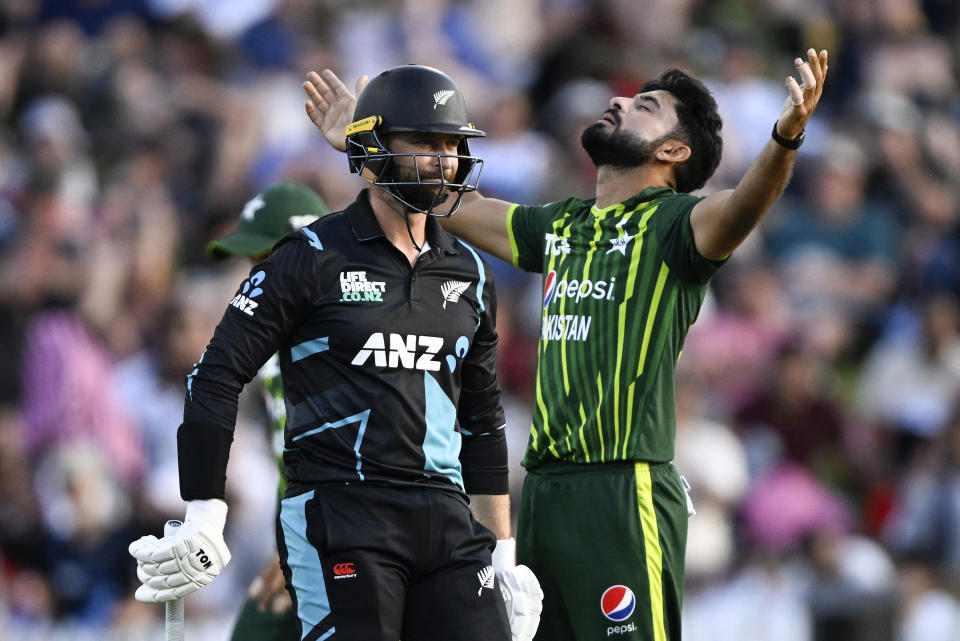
{"x":441,"y":97}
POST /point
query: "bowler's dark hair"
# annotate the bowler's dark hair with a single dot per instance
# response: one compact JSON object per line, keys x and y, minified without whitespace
{"x":699,"y":127}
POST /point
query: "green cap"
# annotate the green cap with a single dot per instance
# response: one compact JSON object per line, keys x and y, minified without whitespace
{"x":268,"y":217}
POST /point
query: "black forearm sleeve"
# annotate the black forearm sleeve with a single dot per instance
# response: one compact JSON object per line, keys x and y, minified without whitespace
{"x":483,"y":460}
{"x":203,"y":451}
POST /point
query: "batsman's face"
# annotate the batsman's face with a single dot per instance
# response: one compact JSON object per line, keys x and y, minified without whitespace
{"x":427,"y":167}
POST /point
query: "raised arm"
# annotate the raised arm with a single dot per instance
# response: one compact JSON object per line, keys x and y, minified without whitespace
{"x":480,"y":221}
{"x":721,"y":221}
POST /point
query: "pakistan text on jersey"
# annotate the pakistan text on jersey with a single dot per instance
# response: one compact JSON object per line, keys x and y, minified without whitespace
{"x":568,"y":327}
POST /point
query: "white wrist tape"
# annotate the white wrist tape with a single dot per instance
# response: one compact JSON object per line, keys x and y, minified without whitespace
{"x":210,"y":513}
{"x":505,"y":554}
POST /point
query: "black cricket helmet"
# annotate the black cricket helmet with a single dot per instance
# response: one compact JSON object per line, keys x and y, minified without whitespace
{"x":411,"y":98}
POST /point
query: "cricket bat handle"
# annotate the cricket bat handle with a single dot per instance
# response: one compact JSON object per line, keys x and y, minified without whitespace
{"x":174,"y":624}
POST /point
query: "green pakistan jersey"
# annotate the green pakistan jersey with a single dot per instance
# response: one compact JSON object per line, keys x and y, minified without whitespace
{"x":621,"y":286}
{"x":272,"y":388}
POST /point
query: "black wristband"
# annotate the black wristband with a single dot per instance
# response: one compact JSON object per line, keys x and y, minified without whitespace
{"x":483,"y":460}
{"x":789,"y":143}
{"x":202,"y":453}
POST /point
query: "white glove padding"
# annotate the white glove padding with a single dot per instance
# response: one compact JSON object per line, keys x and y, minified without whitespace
{"x":521,"y":591}
{"x":175,"y":566}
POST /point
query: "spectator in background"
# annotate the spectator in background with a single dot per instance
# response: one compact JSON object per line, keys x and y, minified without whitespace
{"x":25,"y":583}
{"x":793,"y":416}
{"x":850,"y":586}
{"x":925,"y":519}
{"x":920,"y":171}
{"x":929,"y":611}
{"x":735,"y":340}
{"x":517,"y":159}
{"x":713,"y":459}
{"x":910,"y":381}
{"x":836,"y":247}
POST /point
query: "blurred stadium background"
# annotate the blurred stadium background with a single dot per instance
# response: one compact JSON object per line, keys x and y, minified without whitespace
{"x":819,"y":392}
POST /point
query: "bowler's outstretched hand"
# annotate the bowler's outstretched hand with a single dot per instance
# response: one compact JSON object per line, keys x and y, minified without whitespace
{"x":330,"y":105}
{"x":803,"y":97}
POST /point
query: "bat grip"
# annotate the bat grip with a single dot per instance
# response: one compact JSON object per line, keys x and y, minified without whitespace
{"x":174,"y":609}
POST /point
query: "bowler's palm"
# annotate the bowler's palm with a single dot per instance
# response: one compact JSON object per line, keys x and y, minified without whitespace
{"x":330,"y":105}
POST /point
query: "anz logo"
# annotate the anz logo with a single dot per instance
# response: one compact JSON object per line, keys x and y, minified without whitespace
{"x":251,"y":289}
{"x":407,"y":352}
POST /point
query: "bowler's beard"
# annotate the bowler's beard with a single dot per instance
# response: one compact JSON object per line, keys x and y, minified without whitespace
{"x":617,"y":148}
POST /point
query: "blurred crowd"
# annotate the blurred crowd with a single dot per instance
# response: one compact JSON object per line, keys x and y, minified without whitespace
{"x":818,"y":393}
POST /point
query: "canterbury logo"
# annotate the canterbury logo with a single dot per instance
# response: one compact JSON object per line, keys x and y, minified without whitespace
{"x":452,"y":289}
{"x":344,"y":571}
{"x":441,"y":97}
{"x":486,"y":576}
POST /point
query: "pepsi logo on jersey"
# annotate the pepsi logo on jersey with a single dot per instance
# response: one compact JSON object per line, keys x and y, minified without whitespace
{"x":576,"y":290}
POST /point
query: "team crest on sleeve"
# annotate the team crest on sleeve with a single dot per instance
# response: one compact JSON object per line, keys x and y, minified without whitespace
{"x":244,"y":300}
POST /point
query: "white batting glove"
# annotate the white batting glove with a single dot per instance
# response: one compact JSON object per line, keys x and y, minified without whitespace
{"x":175,"y":566}
{"x":521,"y":591}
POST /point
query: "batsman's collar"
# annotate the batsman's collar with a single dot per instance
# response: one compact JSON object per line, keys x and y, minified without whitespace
{"x":366,"y":226}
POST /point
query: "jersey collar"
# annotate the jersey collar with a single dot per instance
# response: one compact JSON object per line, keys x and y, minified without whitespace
{"x":366,"y":227}
{"x":364,"y":223}
{"x":650,"y":193}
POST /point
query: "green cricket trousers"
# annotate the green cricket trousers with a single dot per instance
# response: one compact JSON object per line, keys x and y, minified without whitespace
{"x":607,"y":543}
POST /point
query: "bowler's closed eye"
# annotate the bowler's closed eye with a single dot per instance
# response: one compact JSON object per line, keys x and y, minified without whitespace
{"x":645,"y":102}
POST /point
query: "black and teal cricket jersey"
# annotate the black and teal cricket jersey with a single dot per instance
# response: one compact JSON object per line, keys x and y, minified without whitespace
{"x":387,"y":368}
{"x":621,"y":286}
